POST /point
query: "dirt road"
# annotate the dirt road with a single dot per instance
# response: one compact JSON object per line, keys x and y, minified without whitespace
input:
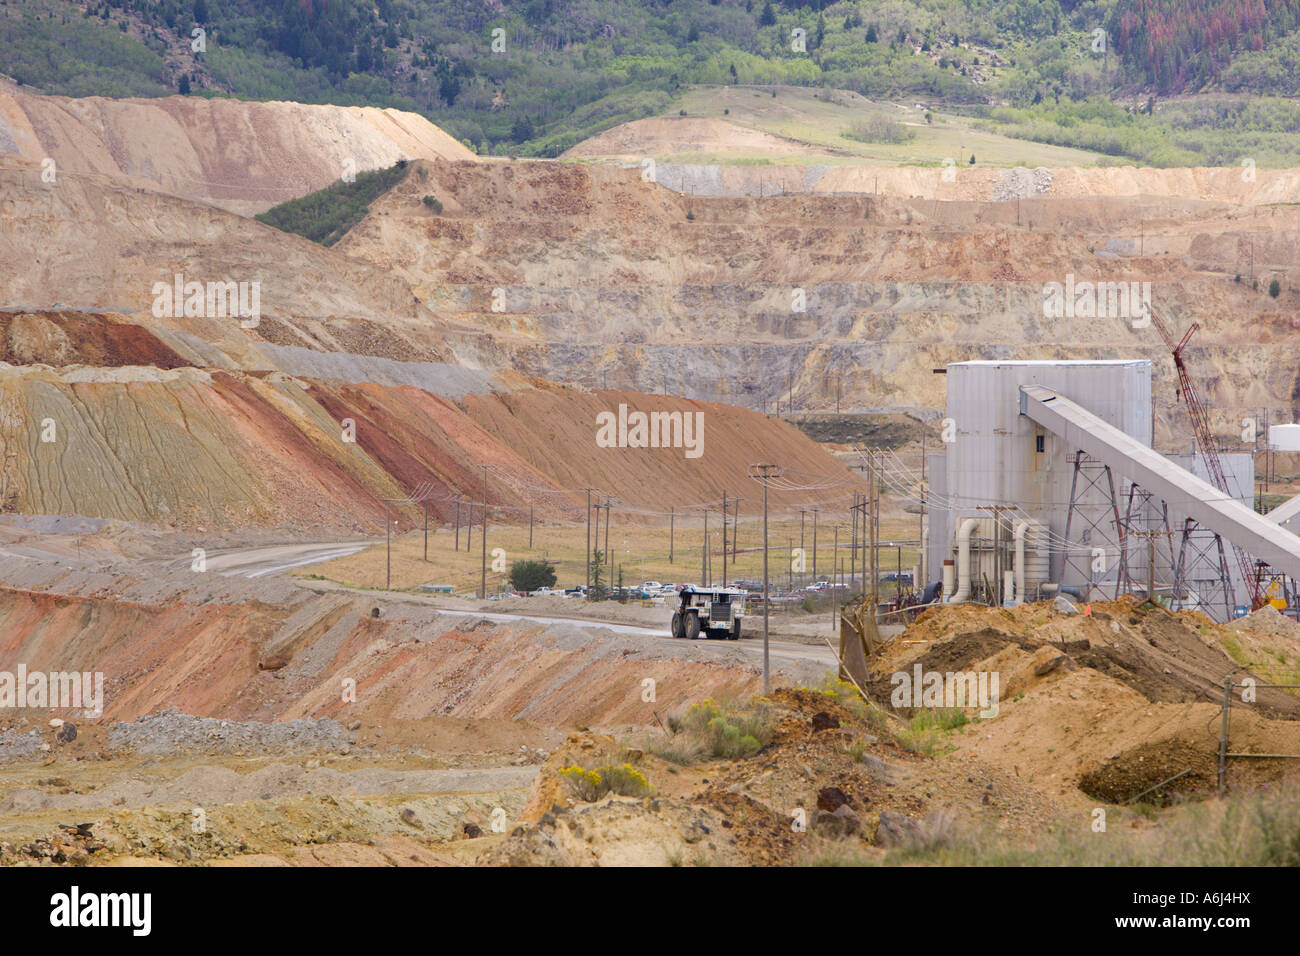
{"x":748,"y":647}
{"x":276,"y":559}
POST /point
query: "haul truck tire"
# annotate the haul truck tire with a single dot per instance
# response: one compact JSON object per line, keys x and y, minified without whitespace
{"x":692,"y":626}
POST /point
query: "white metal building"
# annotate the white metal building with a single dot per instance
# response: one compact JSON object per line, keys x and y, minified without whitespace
{"x":1001,"y":490}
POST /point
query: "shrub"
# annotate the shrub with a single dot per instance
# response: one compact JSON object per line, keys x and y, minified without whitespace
{"x":531,"y":575}
{"x":434,"y":203}
{"x":847,"y":696}
{"x":590,"y":785}
{"x":879,"y":129}
{"x":928,"y":729}
{"x":1274,"y":288}
{"x":715,"y":728}
{"x":1246,"y":828}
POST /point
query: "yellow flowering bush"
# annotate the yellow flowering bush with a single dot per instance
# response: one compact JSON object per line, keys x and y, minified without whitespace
{"x":589,"y":785}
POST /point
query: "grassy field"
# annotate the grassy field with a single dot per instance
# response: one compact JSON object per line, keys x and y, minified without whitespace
{"x":819,"y":119}
{"x":634,"y":548}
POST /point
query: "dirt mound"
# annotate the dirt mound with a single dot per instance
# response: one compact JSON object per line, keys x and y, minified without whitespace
{"x":1083,"y":695}
{"x":273,"y":450}
{"x":1165,"y":656}
{"x":802,"y":795}
{"x":1268,"y":622}
{"x":411,"y":663}
{"x":673,"y":136}
{"x":240,"y":156}
{"x":1145,"y":772}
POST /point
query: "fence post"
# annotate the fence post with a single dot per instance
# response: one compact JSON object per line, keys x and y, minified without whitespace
{"x":1223,"y":731}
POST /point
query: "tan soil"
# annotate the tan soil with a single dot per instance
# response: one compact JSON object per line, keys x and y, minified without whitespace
{"x":665,"y":137}
{"x":240,"y":156}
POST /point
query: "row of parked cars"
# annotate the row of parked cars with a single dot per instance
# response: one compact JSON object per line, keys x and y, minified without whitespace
{"x":650,"y":589}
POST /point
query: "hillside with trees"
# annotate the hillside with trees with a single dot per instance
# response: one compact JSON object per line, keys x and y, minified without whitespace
{"x":534,"y":77}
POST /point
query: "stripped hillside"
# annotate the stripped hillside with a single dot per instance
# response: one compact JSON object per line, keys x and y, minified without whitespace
{"x":244,"y":157}
{"x":102,"y":418}
{"x":850,"y":295}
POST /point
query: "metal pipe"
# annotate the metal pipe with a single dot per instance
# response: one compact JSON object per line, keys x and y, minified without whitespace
{"x":1019,"y":596}
{"x":963,"y":561}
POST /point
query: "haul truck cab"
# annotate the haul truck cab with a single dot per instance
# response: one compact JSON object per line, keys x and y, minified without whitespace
{"x":715,"y":612}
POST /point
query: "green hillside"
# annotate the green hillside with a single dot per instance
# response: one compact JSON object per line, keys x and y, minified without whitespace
{"x":534,"y":77}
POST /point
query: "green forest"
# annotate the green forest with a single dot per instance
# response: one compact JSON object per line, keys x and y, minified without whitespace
{"x":534,"y":77}
{"x":327,"y":214}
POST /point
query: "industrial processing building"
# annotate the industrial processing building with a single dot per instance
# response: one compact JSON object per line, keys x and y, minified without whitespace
{"x":1047,"y":483}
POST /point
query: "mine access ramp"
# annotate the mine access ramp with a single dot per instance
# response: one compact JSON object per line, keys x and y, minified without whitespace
{"x":1213,"y":509}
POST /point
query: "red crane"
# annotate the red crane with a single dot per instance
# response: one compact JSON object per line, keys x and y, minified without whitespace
{"x":1206,"y":444}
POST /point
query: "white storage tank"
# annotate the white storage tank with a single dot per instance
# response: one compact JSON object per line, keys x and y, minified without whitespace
{"x":1284,"y":437}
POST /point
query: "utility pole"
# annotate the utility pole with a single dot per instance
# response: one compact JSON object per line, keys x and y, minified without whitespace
{"x":922,"y":557}
{"x":724,"y":538}
{"x":789,"y":563}
{"x":469,"y":525}
{"x":1267,"y":463}
{"x":873,"y":516}
{"x":587,"y":560}
{"x":388,"y":549}
{"x":530,"y":527}
{"x":483,"y":574}
{"x":704,"y":553}
{"x":458,"y":525}
{"x":814,"y":511}
{"x":853,"y":545}
{"x":608,"y":560}
{"x":875,"y":531}
{"x":801,"y":548}
{"x":672,"y":519}
{"x":835,"y":557}
{"x":426,"y":529}
{"x":1151,"y":568}
{"x":763,"y":473}
{"x":598,"y":536}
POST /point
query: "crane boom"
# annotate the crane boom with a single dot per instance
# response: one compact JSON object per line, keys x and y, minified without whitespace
{"x":1206,"y":444}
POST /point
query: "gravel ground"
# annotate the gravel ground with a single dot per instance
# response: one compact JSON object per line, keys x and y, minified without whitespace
{"x":170,"y":732}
